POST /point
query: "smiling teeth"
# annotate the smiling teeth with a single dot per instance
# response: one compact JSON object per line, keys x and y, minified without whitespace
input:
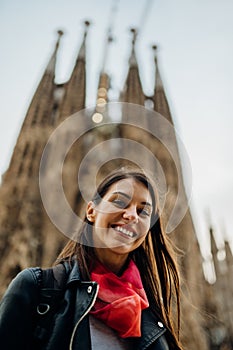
{"x":126,"y":232}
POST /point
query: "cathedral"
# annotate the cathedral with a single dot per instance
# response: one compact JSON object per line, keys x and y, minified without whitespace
{"x":30,"y":236}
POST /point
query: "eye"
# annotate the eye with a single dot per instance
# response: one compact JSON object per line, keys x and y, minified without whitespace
{"x":144,"y":212}
{"x":119,"y":203}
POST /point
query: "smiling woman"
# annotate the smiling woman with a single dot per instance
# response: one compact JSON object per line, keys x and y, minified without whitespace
{"x":119,"y":276}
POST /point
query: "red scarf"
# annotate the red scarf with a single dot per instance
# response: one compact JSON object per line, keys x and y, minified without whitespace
{"x":120,"y":299}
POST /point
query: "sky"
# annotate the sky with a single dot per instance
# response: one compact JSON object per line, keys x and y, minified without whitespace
{"x":195,"y":48}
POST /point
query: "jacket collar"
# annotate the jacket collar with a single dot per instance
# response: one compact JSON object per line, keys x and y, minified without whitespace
{"x":152,"y":329}
{"x":72,"y":271}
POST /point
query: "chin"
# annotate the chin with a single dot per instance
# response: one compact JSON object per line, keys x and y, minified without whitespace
{"x":121,"y":250}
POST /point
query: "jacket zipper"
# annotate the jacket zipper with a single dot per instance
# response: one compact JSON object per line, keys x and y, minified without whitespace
{"x":87,"y":311}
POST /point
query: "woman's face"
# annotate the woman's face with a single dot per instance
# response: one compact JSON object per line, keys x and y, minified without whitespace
{"x":121,"y":220}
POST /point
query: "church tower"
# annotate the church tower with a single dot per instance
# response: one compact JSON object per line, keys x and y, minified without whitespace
{"x":21,"y":210}
{"x":219,"y":296}
{"x":28,"y":237}
{"x":133,"y":92}
{"x":184,"y":235}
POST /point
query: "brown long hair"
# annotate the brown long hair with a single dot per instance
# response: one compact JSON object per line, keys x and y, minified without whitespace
{"x":155,"y":258}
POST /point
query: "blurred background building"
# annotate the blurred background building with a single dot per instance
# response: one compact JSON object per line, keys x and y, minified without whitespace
{"x":29,"y":238}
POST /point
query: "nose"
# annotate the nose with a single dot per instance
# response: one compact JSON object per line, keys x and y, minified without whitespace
{"x":130,"y":214}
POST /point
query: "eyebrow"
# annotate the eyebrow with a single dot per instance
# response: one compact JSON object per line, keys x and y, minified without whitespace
{"x":128,"y":197}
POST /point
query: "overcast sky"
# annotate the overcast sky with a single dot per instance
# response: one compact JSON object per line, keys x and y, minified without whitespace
{"x":195,"y":40}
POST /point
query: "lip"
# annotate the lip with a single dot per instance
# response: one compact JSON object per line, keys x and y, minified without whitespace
{"x":125,"y":230}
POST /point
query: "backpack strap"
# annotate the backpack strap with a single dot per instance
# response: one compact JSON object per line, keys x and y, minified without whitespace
{"x":51,"y":290}
{"x":60,"y":275}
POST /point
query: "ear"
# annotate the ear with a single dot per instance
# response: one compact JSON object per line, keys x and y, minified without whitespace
{"x":90,"y":212}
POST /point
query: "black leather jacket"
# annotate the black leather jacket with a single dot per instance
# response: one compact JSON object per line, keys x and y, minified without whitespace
{"x":70,"y":326}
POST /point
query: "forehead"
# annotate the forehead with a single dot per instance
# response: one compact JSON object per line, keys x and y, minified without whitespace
{"x":131,"y":187}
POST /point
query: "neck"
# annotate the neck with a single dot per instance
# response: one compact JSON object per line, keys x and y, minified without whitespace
{"x":114,"y":262}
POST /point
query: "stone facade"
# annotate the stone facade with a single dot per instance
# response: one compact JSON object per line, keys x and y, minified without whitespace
{"x":27,"y":235}
{"x":218,"y":301}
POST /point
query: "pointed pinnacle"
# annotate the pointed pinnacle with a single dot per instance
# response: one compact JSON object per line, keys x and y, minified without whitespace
{"x":132,"y":59}
{"x":110,"y":39}
{"x":82,"y":48}
{"x":60,"y":33}
{"x":134,"y":31}
{"x":87,"y":24}
{"x":155,"y":49}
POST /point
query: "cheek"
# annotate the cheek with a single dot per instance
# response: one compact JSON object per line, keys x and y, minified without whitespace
{"x":104,"y":219}
{"x":140,"y":241}
{"x":144,"y":232}
{"x":146,"y":225}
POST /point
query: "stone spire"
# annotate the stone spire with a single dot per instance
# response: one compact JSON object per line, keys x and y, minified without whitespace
{"x":108,"y":41}
{"x":103,"y":85}
{"x":52,"y":63}
{"x":102,"y":97}
{"x":160,"y":100}
{"x":82,"y":51}
{"x":213,"y":245}
{"x":133,"y":92}
{"x":39,"y":114}
{"x":104,"y":80}
{"x":21,"y":195}
{"x":73,"y":102}
{"x":228,"y":251}
{"x":75,"y":94}
{"x":42,"y":103}
{"x":183,"y":235}
{"x":229,"y":256}
{"x":214,"y":252}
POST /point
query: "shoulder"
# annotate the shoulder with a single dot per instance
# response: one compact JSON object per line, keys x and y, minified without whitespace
{"x":29,"y":277}
{"x":20,"y":298}
{"x":24,"y":285}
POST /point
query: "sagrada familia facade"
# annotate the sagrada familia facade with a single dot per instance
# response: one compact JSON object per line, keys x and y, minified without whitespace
{"x":29,"y":238}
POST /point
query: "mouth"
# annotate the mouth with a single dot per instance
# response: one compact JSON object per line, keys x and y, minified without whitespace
{"x":124,"y":231}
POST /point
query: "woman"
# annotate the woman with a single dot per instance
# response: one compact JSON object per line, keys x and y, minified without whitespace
{"x":121,"y":281}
